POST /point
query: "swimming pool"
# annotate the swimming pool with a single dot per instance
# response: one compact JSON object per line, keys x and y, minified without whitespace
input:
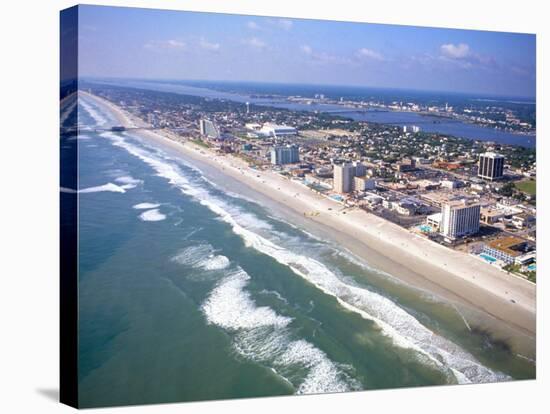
{"x":487,"y":258}
{"x":425,"y":228}
{"x":532,"y":267}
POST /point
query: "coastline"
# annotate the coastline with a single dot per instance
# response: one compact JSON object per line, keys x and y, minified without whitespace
{"x":388,"y":247}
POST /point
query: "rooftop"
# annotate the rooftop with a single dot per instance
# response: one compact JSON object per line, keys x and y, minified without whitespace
{"x":509,"y":245}
{"x":492,"y":155}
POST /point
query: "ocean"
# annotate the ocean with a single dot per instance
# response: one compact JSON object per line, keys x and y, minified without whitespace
{"x":192,"y":287}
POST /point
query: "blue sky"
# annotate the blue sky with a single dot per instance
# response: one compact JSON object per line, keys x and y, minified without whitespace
{"x":146,"y":43}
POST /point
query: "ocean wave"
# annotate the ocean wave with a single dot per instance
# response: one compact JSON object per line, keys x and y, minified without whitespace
{"x":152,"y":215}
{"x":111,"y":187}
{"x":262,"y":335}
{"x":353,"y":259}
{"x":403,"y":328}
{"x":231,"y":307}
{"x":202,"y":256}
{"x":145,"y":206}
{"x":99,"y":119}
{"x":127,"y":179}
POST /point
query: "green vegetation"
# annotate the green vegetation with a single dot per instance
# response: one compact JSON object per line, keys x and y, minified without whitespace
{"x":516,"y":269}
{"x":529,"y":187}
{"x":200,"y":142}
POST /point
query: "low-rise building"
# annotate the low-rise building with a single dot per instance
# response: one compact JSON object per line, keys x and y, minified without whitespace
{"x":491,"y":215}
{"x":364,"y":184}
{"x":506,"y":249}
{"x":434,"y":221}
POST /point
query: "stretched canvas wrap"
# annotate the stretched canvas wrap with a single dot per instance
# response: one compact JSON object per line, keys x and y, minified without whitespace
{"x":262,"y":206}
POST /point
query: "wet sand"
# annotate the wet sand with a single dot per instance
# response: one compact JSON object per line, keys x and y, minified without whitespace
{"x":417,"y":261}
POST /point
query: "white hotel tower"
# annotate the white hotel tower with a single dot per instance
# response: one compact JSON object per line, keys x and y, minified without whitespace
{"x":459,"y":219}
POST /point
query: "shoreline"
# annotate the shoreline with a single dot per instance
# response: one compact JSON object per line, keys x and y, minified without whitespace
{"x":418,"y":262}
{"x":515,"y":134}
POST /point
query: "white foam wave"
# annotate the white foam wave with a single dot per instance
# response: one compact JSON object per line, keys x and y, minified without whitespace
{"x":191,"y":256}
{"x":145,"y":206}
{"x":105,"y":187}
{"x":202,"y":256}
{"x":99,"y":119}
{"x":262,"y":335}
{"x":404,"y":329}
{"x":231,"y":307}
{"x":215,"y":262}
{"x":152,"y":215}
{"x":127,"y":179}
{"x":323,"y":375}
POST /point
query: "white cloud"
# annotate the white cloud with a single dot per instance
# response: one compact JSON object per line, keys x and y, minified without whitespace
{"x":323,"y":57}
{"x":252,"y":25}
{"x":165,"y":44}
{"x":285,"y":24}
{"x":369,"y":54}
{"x":452,"y":51}
{"x":205,"y":44}
{"x":306,"y":49}
{"x":255,"y":43}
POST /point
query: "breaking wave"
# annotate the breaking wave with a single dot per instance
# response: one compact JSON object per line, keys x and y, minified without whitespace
{"x":403,"y":328}
{"x":111,"y":187}
{"x":145,"y":206}
{"x":152,"y":215}
{"x":262,"y":335}
{"x":201,"y":256}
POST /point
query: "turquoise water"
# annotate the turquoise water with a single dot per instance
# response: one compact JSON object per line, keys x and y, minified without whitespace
{"x":488,"y":258}
{"x":425,"y":228}
{"x":191,"y":291}
{"x":532,"y":267}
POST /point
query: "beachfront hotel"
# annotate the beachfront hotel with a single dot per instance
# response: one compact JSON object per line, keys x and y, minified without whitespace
{"x":343,"y":177}
{"x":281,"y":155}
{"x":510,"y":250}
{"x":209,"y":129}
{"x":491,"y":166}
{"x":459,"y":219}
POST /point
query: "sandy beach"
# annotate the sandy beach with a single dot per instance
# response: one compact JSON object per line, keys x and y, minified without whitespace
{"x":418,"y":261}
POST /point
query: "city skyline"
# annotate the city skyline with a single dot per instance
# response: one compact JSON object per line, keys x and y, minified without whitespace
{"x":164,"y":44}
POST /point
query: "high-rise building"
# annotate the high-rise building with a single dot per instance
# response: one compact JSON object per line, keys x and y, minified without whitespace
{"x":411,"y":128}
{"x":208,"y":129}
{"x":491,"y":166}
{"x":285,"y":155}
{"x":360,"y":169}
{"x":343,"y":178}
{"x":459,"y":219}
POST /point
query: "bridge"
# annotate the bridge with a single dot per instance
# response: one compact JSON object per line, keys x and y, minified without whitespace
{"x":352,"y":110}
{"x":73,"y":130}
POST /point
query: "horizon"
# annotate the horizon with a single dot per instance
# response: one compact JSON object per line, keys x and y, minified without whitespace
{"x":166,"y":44}
{"x":384,"y":88}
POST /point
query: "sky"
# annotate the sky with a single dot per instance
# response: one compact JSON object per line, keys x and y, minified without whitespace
{"x":160,"y":44}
